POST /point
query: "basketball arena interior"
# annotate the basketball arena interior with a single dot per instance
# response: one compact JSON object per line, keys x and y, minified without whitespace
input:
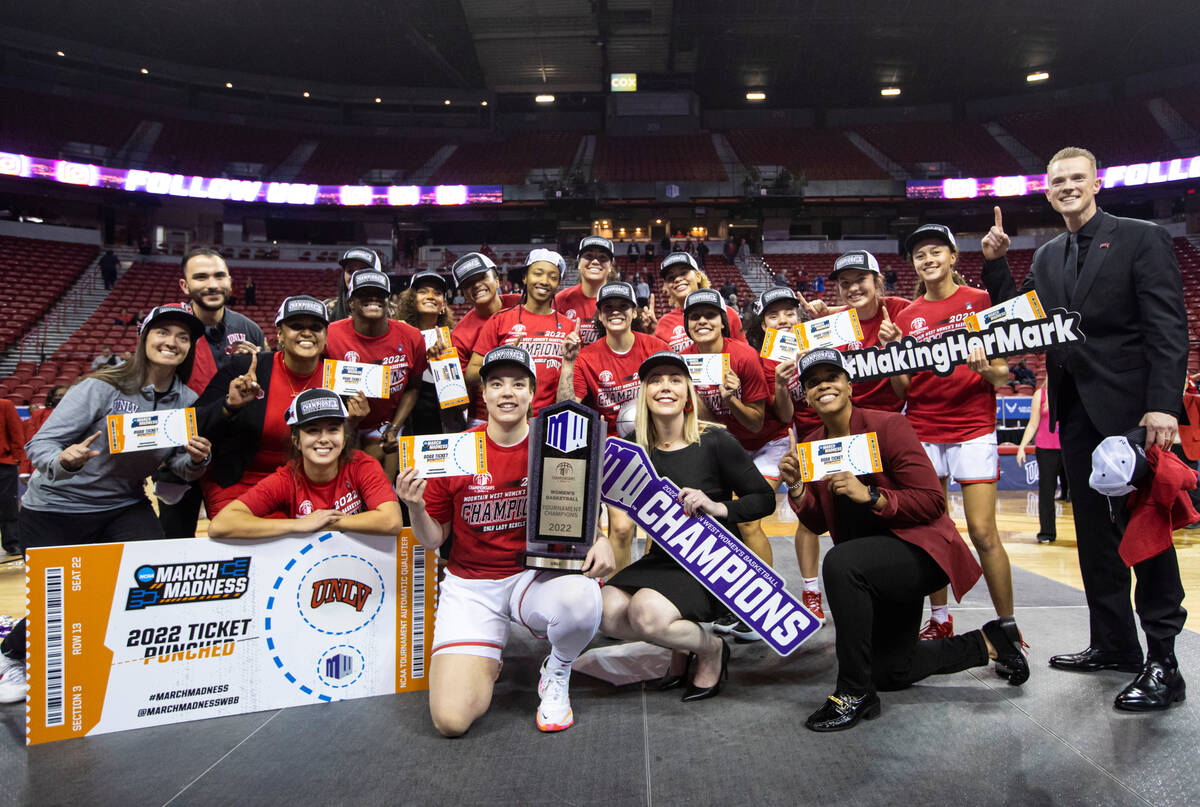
{"x":764,"y":138}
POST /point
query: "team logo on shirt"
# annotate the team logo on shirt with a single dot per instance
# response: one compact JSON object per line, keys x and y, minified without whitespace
{"x":918,"y":323}
{"x":606,"y":377}
{"x":518,"y":329}
{"x":305,"y":507}
{"x":679,"y":331}
{"x":855,"y":345}
{"x":571,"y":313}
{"x":483,"y":480}
{"x":351,"y":355}
{"x":120,"y":407}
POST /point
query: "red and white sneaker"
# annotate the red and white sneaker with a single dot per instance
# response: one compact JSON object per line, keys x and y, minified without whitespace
{"x":554,"y":712}
{"x":937,"y":630}
{"x":812,"y":601}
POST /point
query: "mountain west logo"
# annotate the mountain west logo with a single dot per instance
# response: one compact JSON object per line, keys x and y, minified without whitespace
{"x":174,"y":583}
{"x":566,"y":431}
{"x":340,"y":589}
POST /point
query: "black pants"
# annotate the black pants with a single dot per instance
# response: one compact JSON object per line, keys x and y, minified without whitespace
{"x":42,"y":528}
{"x":9,"y":532}
{"x":1050,"y":466}
{"x":1159,"y":591}
{"x":876,"y":587}
{"x":179,"y":520}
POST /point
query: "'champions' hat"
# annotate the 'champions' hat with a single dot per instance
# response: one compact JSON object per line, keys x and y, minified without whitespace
{"x":549,"y":256}
{"x":597,"y":241}
{"x":369,"y":279}
{"x":368,"y":256}
{"x":301,"y":305}
{"x":616,"y":291}
{"x":1119,"y":463}
{"x":774,"y":295}
{"x":180,"y":312}
{"x":926,"y":232}
{"x":469,"y":266}
{"x":675,"y":259}
{"x":660,"y":358}
{"x":707,"y":297}
{"x":507,"y":354}
{"x":430,"y":276}
{"x":826,"y":356}
{"x":855,"y":259}
{"x":315,"y":404}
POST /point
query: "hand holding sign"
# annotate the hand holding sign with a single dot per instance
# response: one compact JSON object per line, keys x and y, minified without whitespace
{"x":74,"y":457}
{"x":995,"y":244}
{"x":696,"y":501}
{"x":816,"y":308}
{"x":198,"y":448}
{"x":845,"y":483}
{"x":410,"y":488}
{"x":730,"y":385}
{"x":978,"y":361}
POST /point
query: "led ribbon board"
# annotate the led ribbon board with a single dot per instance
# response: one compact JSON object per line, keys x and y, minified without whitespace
{"x":1116,"y":176}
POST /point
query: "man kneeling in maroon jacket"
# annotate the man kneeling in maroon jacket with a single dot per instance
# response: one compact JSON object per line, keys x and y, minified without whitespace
{"x":893,"y":545}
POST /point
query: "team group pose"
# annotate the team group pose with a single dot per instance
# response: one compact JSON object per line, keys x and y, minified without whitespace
{"x":281,"y":455}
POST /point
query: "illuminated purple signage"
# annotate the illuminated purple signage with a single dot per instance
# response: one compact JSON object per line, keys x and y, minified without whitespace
{"x":1116,"y":176}
{"x":244,"y":190}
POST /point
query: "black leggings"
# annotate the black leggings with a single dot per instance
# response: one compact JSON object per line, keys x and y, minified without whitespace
{"x":876,"y":587}
{"x":137,"y":522}
{"x":1050,"y":470}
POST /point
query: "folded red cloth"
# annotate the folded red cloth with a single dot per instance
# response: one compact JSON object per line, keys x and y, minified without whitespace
{"x":1159,"y":505}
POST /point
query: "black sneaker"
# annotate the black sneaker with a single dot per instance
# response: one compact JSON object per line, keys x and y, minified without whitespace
{"x":1043,"y":538}
{"x":742,"y":632}
{"x":725,"y":623}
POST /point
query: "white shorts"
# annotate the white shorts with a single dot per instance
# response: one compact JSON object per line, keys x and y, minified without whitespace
{"x":975,"y":460}
{"x":473,"y":616}
{"x":766,"y":459}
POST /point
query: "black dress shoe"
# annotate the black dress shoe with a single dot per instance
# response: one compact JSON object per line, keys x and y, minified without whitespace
{"x":1010,"y":658}
{"x":1045,"y":538}
{"x":1158,"y":686}
{"x":1091,"y":660}
{"x":842,"y":711}
{"x":695,"y":693}
{"x":671,"y":680}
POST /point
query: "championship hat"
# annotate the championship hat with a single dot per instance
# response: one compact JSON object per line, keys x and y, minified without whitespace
{"x":548,"y":256}
{"x":710,"y":297}
{"x":927,"y":232}
{"x":855,"y":259}
{"x":822,"y":356}
{"x":432,"y":277}
{"x":469,"y":266}
{"x":180,"y":312}
{"x":660,"y":358}
{"x":369,"y":279}
{"x":507,"y":354}
{"x":301,"y":305}
{"x":675,"y":259}
{"x":1119,"y":463}
{"x":774,"y":295}
{"x":597,"y":241}
{"x":315,"y":404}
{"x":368,"y":256}
{"x":616,"y":291}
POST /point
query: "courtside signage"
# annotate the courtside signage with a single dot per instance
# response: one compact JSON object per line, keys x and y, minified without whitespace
{"x":123,"y":636}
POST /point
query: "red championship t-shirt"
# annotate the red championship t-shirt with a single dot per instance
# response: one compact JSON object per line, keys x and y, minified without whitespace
{"x":540,"y":334}
{"x":606,"y":380}
{"x":574,"y":304}
{"x":402,"y":349}
{"x":958,"y":407}
{"x":463,"y":337}
{"x":876,"y":394}
{"x":744,"y":362}
{"x":360,"y":486}
{"x":487,"y":511}
{"x":670,"y":329}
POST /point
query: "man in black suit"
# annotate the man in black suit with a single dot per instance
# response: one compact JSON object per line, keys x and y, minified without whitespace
{"x":1122,"y":277}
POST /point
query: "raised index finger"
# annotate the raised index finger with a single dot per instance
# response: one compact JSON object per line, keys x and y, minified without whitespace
{"x":253,"y":365}
{"x":90,"y":439}
{"x":999,"y":218}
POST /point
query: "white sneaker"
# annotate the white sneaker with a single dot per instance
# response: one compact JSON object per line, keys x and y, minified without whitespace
{"x":12,"y":680}
{"x":554,"y":713}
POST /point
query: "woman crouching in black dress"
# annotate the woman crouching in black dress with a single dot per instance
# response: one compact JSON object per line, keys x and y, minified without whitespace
{"x":655,"y":599}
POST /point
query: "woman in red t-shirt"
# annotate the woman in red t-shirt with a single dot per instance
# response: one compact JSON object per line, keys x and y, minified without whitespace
{"x":487,"y":586}
{"x":681,"y":276}
{"x":605,"y":377}
{"x":578,"y":302}
{"x":326,"y":484}
{"x":955,"y":416}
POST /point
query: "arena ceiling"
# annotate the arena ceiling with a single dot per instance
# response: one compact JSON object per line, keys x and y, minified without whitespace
{"x":801,"y":52}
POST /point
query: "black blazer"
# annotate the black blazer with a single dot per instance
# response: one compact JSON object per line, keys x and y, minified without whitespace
{"x":235,"y":438}
{"x":1130,"y":300}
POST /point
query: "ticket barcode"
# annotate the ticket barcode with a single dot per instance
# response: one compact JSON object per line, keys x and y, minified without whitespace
{"x":55,"y":714}
{"x":418,"y":612}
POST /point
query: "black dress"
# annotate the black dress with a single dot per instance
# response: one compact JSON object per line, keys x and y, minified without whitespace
{"x":719,"y":466}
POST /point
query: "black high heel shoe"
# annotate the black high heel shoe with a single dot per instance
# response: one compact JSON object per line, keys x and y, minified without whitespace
{"x":695,"y":693}
{"x":669,"y":681}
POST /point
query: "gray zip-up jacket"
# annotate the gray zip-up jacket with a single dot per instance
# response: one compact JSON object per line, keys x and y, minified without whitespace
{"x":107,"y":481}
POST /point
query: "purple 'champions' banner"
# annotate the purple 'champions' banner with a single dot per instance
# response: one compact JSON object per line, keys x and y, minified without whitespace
{"x":722,"y":563}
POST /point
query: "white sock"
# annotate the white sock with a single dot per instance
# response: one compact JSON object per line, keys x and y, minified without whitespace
{"x":553,"y":662}
{"x":940,"y":613}
{"x":810,"y":584}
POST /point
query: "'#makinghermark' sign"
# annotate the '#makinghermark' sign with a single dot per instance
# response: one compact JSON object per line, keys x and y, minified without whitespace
{"x":735,"y":576}
{"x":145,"y":633}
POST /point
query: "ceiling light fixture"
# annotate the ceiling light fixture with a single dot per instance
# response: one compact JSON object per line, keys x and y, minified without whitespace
{"x":145,"y":72}
{"x":229,"y":85}
{"x":60,"y":53}
{"x":544,"y":99}
{"x":483,"y":103}
{"x":306,"y":93}
{"x":379,"y":100}
{"x":756,"y":96}
{"x":446,"y":102}
{"x":1040,"y":76}
{"x":889,"y":91}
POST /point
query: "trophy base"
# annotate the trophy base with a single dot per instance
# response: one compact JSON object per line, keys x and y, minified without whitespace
{"x":559,"y":564}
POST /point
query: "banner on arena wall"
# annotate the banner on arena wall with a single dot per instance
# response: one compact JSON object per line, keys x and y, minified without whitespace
{"x":701,"y":545}
{"x":146,"y":633}
{"x":943,"y":353}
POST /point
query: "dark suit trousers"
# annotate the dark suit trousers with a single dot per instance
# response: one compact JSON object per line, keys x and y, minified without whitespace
{"x":1159,"y":592}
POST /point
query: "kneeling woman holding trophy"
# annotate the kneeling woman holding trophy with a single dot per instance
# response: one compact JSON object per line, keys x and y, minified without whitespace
{"x":486,"y":586}
{"x":655,"y":599}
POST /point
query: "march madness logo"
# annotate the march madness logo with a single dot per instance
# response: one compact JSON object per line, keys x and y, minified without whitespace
{"x":340,"y":589}
{"x":173,"y":583}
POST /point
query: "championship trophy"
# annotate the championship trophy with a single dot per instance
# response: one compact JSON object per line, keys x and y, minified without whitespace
{"x":566,"y":444}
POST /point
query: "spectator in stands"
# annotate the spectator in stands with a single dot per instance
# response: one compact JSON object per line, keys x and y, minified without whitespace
{"x":123,"y":317}
{"x":633,"y":252}
{"x":689,"y":247}
{"x":109,"y":264}
{"x":1023,"y":375}
{"x":351,"y":261}
{"x":701,"y":252}
{"x":730,"y":250}
{"x":643,"y":292}
{"x":12,"y":453}
{"x":106,"y":359}
{"x":781,"y":279}
{"x":250,"y":292}
{"x":423,"y":306}
{"x":728,"y":288}
{"x":649,"y":252}
{"x":743,"y":251}
{"x":125,"y":357}
{"x":891,"y":281}
{"x":819,"y":284}
{"x":665,"y":245}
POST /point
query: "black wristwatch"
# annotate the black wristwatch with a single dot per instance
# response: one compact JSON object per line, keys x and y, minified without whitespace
{"x":874,"y":493}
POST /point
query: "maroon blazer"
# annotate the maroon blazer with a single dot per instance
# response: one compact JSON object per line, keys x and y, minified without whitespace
{"x":916,"y":507}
